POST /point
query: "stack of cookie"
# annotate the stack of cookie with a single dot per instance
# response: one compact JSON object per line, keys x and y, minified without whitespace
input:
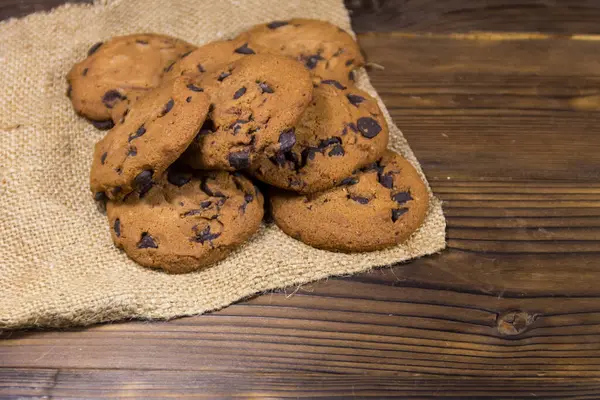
{"x":194,"y":129}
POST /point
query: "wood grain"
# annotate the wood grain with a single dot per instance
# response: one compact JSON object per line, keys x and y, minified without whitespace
{"x":506,"y":128}
{"x":556,"y":16}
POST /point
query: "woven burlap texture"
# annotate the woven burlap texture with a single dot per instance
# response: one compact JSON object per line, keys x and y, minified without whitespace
{"x":58,"y":265}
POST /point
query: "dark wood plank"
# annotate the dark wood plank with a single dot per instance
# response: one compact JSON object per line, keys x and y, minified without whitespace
{"x":20,"y":8}
{"x":499,"y":108}
{"x":109,"y":383}
{"x":556,"y":16}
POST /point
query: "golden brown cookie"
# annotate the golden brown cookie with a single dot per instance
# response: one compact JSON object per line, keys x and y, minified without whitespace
{"x":188,"y":220}
{"x":255,"y":104}
{"x":379,"y":206}
{"x":341,"y":130}
{"x":118,"y":66}
{"x":154,"y":133}
{"x":326,"y":50}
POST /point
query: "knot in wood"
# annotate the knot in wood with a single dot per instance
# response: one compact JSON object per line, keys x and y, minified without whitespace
{"x":513,"y":323}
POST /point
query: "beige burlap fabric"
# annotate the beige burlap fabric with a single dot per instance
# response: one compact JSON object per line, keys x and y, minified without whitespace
{"x":58,"y":266}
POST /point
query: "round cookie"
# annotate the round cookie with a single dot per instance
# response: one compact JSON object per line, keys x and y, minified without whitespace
{"x":188,"y":220}
{"x":326,"y":50}
{"x":379,"y":206}
{"x":341,"y":130}
{"x":154,"y":133}
{"x":114,"y":68}
{"x":255,"y":104}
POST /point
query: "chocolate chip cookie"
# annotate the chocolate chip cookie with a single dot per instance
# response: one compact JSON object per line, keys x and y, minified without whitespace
{"x":114,"y":68}
{"x":341,"y":130}
{"x":379,"y":206}
{"x":187,"y":220}
{"x":255,"y":104}
{"x":153,"y":134}
{"x":326,"y":50}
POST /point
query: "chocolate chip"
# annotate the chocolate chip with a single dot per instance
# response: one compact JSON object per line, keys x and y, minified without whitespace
{"x":239,"y":93}
{"x":178,"y":178}
{"x":337,"y":150}
{"x":244,"y":49}
{"x":334,"y":83}
{"x":94,"y":48}
{"x":223,"y":75}
{"x":237,"y":125}
{"x":205,"y":204}
{"x":117,"y":189}
{"x":355,"y":99}
{"x":200,"y":68}
{"x":349,"y":62}
{"x":192,"y":212}
{"x":167,"y":107}
{"x":349,"y":181}
{"x":111,"y":97}
{"x":248,"y":198}
{"x":147,"y":242}
{"x":100,"y":196}
{"x":278,"y":159}
{"x":188,"y":99}
{"x":169,"y":67}
{"x":351,"y":76}
{"x":184,"y":55}
{"x":206,"y":189}
{"x":401,"y":197}
{"x":359,"y":199}
{"x":309,"y":154}
{"x":386,"y":180}
{"x":143,"y":181}
{"x":397,"y":213}
{"x":265,"y":88}
{"x":239,"y":159}
{"x":140,"y":132}
{"x":141,"y":41}
{"x":329,"y":141}
{"x":117,"y":227}
{"x":206,"y":235}
{"x":132,"y":152}
{"x":276,"y":24}
{"x":311,"y":61}
{"x":194,"y":88}
{"x":103,"y":158}
{"x":368,"y":127}
{"x":287,"y":139}
{"x":375,"y":166}
{"x":103,"y":125}
{"x":84,"y":72}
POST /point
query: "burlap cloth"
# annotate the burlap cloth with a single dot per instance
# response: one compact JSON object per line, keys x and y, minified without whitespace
{"x":58,"y":266}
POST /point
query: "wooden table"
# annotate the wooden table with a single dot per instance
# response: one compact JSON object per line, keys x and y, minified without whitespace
{"x":507,"y":128}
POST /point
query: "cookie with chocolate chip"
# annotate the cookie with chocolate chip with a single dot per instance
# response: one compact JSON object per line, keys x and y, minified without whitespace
{"x":341,"y":130}
{"x":379,"y":206}
{"x":326,"y":50}
{"x":114,"y":68}
{"x":255,"y":104}
{"x":187,"y":220}
{"x":154,"y":133}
